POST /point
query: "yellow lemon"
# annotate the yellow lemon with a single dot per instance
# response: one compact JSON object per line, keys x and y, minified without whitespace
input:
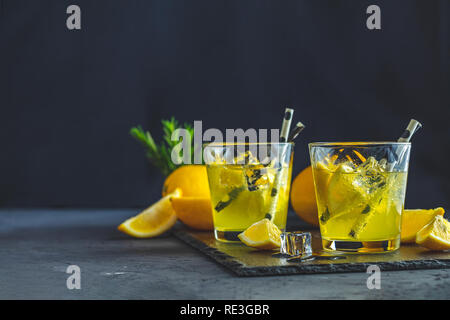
{"x":194,"y":212}
{"x":262,"y":235}
{"x":303,"y":197}
{"x":154,"y":220}
{"x":415,"y":219}
{"x":191,"y":179}
{"x":435,"y":235}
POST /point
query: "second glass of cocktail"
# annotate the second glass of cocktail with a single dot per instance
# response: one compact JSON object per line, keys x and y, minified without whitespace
{"x":248,"y":182}
{"x":360,"y":190}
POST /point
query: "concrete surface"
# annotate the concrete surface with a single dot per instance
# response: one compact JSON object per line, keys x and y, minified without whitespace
{"x":37,"y":246}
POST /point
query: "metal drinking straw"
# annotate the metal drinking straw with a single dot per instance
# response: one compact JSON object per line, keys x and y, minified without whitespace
{"x":287,"y":119}
{"x":277,"y":182}
{"x":410,"y":130}
{"x":296,"y":131}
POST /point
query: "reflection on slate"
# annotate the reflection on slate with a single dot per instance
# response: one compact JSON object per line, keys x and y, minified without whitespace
{"x":245,"y":261}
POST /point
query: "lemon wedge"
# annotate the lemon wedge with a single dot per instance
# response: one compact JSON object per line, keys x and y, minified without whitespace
{"x":262,"y":235}
{"x":415,"y":219}
{"x":154,"y":220}
{"x":435,"y":235}
{"x":344,"y":196}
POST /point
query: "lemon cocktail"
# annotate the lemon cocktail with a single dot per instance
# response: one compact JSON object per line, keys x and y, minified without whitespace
{"x":360,"y":191}
{"x":245,"y":190}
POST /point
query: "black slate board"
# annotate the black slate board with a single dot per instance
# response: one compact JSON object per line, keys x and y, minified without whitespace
{"x":247,"y":262}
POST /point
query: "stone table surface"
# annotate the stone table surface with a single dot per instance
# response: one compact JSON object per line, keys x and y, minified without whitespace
{"x":37,"y":246}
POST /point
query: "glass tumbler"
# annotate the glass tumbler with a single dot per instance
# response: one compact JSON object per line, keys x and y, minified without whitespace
{"x":360,"y":190}
{"x":248,"y":182}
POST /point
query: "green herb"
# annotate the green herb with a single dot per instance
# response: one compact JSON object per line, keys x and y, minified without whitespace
{"x":160,"y":154}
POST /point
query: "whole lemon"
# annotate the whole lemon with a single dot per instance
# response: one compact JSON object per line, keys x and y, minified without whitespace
{"x":193,"y":208}
{"x":191,"y":179}
{"x":303,"y":197}
{"x":194,"y":212}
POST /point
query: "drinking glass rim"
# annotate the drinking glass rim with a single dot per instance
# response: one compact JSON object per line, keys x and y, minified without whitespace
{"x":356,"y":143}
{"x":224,"y":144}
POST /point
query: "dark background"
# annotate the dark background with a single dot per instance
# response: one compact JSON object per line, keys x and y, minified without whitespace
{"x":69,"y":98}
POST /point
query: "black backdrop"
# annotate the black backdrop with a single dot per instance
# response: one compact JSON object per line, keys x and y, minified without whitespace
{"x":68,"y":98}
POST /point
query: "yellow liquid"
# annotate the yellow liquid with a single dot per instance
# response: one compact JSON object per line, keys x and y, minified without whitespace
{"x":236,"y":206}
{"x":364,"y":209}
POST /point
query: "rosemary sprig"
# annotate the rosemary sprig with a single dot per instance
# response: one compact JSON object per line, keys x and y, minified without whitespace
{"x":160,"y":154}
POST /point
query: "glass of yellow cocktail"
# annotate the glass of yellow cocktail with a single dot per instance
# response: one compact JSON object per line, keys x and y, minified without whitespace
{"x":360,"y":190}
{"x":248,"y":182}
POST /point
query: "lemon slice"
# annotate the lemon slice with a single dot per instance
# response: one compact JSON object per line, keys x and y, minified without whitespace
{"x":322,"y":175}
{"x":154,"y":220}
{"x":194,"y":212}
{"x":415,"y":219}
{"x":344,"y":194}
{"x":435,"y":235}
{"x":263,"y":235}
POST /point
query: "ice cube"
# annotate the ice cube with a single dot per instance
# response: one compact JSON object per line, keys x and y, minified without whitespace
{"x":351,"y":157}
{"x":345,"y":167}
{"x":246,"y":158}
{"x":372,"y":179}
{"x":214,"y":155}
{"x":258,"y":177}
{"x":383,"y":164}
{"x":296,"y":244}
{"x":370,"y":175}
{"x":231,"y":177}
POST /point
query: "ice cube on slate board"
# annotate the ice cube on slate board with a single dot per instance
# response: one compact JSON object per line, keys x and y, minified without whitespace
{"x":296,"y":244}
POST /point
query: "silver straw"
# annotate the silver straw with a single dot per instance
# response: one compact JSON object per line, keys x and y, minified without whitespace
{"x":286,"y":126}
{"x":296,"y":131}
{"x":410,"y":130}
{"x":277,"y":181}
